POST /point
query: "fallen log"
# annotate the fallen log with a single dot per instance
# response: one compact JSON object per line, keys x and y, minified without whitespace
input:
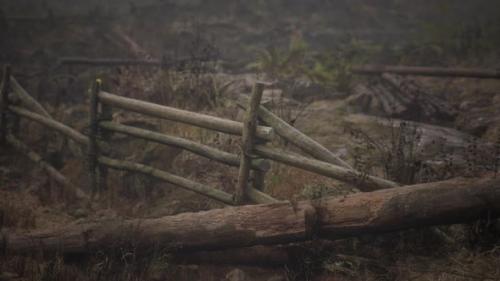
{"x":427,"y":71}
{"x":453,"y":201}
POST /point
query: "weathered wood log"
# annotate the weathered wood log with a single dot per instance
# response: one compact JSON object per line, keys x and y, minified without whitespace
{"x":248,"y":140}
{"x":453,"y":201}
{"x":59,"y":127}
{"x":213,"y":193}
{"x":362,"y":181}
{"x":174,"y":114}
{"x":426,"y":71}
{"x":296,"y":137}
{"x":106,"y":115}
{"x":192,"y":146}
{"x":446,"y":202}
{"x":51,"y":171}
{"x":27,"y":100}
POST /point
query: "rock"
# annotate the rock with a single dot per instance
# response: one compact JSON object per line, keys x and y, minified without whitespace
{"x":445,"y":151}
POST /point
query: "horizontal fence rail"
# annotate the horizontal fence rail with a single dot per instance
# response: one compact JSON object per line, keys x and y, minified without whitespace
{"x":192,"y":146}
{"x":170,"y":178}
{"x":183,"y":116}
{"x":51,"y":123}
{"x":57,"y":126}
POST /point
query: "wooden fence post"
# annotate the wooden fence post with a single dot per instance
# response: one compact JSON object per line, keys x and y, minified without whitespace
{"x":105,"y":115}
{"x":93,"y":128}
{"x":249,"y":127}
{"x":259,"y":176}
{"x":5,"y":104}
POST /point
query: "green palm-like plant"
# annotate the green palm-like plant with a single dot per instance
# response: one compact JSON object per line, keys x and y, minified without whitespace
{"x":278,"y":64}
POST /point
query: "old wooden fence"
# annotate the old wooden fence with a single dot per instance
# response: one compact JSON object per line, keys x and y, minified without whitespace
{"x":252,"y":161}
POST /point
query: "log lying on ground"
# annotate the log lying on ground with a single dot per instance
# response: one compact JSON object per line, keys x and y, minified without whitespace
{"x":198,"y":148}
{"x":362,"y":181}
{"x":51,"y":171}
{"x":446,"y":202}
{"x":188,"y":117}
{"x":296,"y":137}
{"x":426,"y":71}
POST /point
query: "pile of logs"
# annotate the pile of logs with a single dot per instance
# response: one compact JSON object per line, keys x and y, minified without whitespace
{"x":395,"y":96}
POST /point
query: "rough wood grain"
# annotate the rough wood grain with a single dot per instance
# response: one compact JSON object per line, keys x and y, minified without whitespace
{"x":447,"y":202}
{"x":215,"y":229}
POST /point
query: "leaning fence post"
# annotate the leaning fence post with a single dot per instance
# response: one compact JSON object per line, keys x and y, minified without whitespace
{"x":93,"y":127}
{"x":249,"y":127}
{"x":5,"y":103}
